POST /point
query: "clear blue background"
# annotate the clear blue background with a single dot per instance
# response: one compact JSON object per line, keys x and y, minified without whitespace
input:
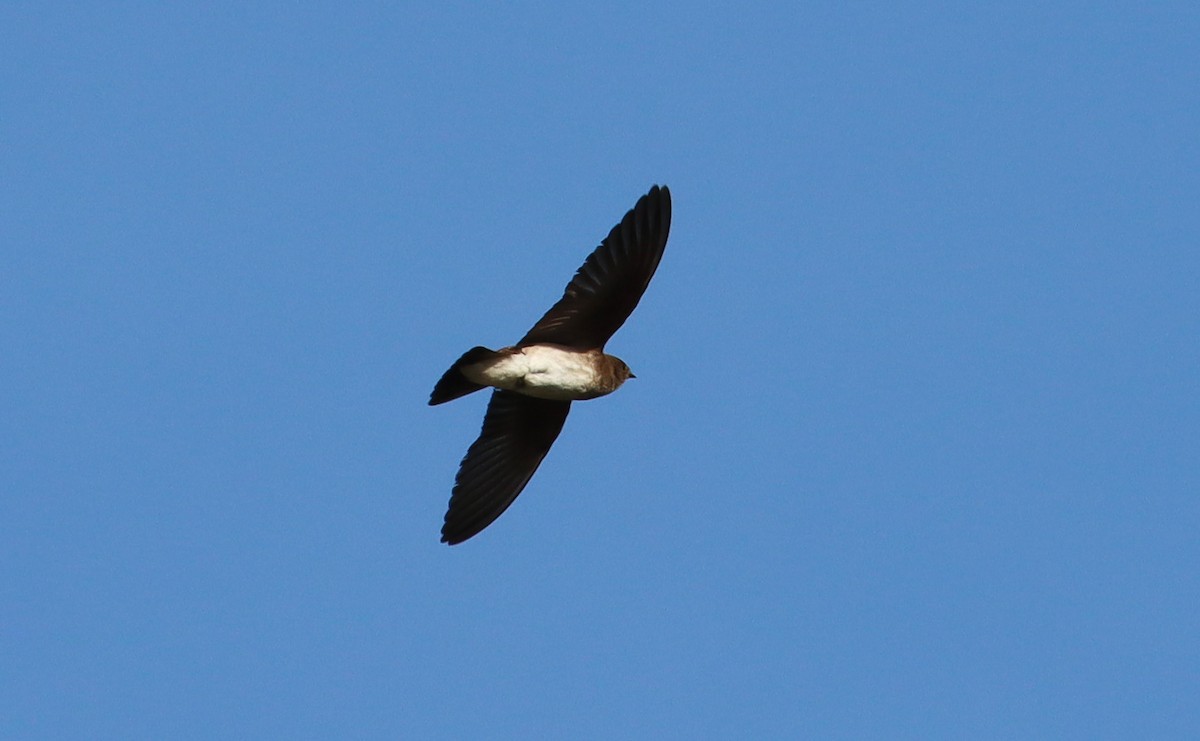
{"x":913,"y":447}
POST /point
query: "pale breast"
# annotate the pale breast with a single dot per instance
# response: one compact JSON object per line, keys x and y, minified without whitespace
{"x":543,"y":371}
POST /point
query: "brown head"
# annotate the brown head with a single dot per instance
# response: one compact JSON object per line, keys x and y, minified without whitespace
{"x":612,"y":373}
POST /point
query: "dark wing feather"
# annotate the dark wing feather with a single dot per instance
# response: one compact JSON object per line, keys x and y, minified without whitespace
{"x":517,"y":433}
{"x":605,"y":291}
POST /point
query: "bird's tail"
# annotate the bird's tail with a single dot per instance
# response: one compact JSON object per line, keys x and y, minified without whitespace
{"x":453,"y":383}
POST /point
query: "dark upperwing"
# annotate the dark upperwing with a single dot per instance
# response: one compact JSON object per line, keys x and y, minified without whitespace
{"x":607,"y":288}
{"x":517,"y":433}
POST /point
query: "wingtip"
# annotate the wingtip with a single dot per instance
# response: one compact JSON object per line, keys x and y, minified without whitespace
{"x":454,"y":538}
{"x":660,"y":197}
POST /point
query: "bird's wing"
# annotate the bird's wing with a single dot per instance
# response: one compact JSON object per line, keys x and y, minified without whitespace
{"x":606,"y":289}
{"x":517,"y":433}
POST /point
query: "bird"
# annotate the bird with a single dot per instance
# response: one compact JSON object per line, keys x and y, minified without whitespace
{"x":561,"y":359}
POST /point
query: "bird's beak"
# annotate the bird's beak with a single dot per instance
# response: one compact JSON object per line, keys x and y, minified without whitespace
{"x":631,"y":375}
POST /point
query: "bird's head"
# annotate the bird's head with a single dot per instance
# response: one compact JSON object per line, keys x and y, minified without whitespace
{"x":618,"y":373}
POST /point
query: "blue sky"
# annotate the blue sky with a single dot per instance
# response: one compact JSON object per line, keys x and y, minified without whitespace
{"x":913,"y":447}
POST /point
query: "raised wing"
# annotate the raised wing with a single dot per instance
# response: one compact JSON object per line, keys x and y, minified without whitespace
{"x":606,"y":289}
{"x":517,"y":433}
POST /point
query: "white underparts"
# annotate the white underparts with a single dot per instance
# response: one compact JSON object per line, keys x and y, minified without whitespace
{"x":543,"y":371}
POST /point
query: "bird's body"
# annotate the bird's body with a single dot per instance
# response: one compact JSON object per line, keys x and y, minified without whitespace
{"x":560,"y":360}
{"x":549,"y":372}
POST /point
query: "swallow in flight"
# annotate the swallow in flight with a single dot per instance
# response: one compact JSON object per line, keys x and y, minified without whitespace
{"x":560,"y":360}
